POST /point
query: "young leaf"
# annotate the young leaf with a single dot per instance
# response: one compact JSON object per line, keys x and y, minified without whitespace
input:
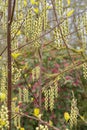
{"x":25,"y":3}
{"x":36,"y":10}
{"x":15,"y":55}
{"x":70,"y":13}
{"x":68,"y":1}
{"x":32,"y":2}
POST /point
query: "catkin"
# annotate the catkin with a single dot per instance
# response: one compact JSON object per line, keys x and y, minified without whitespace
{"x":36,"y":73}
{"x":25,"y":95}
{"x":55,"y":89}
{"x":59,"y":7}
{"x":74,"y":113}
{"x":85,"y":70}
{"x":51,"y":98}
{"x":20,"y":95}
{"x":3,"y":80}
{"x":46,"y":94}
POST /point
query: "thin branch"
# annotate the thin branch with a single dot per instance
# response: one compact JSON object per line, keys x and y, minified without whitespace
{"x":37,"y":119}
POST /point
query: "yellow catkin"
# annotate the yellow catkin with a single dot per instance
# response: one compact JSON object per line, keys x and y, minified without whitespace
{"x":65,"y":29}
{"x":15,"y":122}
{"x":25,"y":95}
{"x":46,"y":95}
{"x":36,"y":73}
{"x":45,"y":14}
{"x":33,"y":74}
{"x":13,"y":113}
{"x":56,"y":89}
{"x":74,"y":113}
{"x":50,"y":94}
{"x":59,"y":7}
{"x":20,"y":95}
{"x":37,"y":70}
{"x":51,"y":98}
{"x":4,"y":24}
{"x":81,"y":22}
{"x":57,"y":37}
{"x":19,"y":121}
{"x":3,"y":80}
{"x":28,"y":24}
{"x":84,"y":22}
{"x":4,"y":117}
{"x":15,"y":74}
{"x":17,"y":9}
{"x":85,"y":70}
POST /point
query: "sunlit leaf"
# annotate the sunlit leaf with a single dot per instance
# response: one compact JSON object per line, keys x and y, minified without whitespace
{"x":15,"y":55}
{"x":68,"y":1}
{"x":32,"y":2}
{"x":70,"y":13}
{"x":36,"y":10}
{"x":18,"y":33}
{"x":25,"y":3}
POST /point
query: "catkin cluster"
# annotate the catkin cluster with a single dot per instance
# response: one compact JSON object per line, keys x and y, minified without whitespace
{"x":4,"y":117}
{"x":36,"y":73}
{"x":84,"y":22}
{"x":74,"y":113}
{"x":42,"y":127}
{"x":50,"y":94}
{"x":85,"y":70}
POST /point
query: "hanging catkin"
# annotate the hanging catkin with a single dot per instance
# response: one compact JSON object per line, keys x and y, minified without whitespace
{"x":25,"y":95}
{"x":74,"y":113}
{"x":59,"y":7}
{"x":51,"y":98}
{"x":56,"y":89}
{"x":85,"y":70}
{"x":3,"y":80}
{"x":20,"y":95}
{"x":46,"y":95}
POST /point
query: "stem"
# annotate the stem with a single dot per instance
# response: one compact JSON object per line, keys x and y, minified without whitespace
{"x":40,"y":79}
{"x":9,"y":62}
